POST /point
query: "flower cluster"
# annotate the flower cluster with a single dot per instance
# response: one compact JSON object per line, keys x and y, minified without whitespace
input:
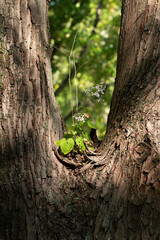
{"x":96,"y":91}
{"x":79,"y":117}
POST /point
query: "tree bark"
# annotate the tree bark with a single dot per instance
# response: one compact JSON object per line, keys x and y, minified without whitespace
{"x":113,"y":194}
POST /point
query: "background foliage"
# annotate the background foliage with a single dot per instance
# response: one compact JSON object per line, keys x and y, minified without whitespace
{"x":95,"y":26}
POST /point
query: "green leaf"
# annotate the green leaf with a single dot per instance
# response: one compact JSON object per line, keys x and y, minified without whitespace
{"x":91,"y":125}
{"x":58,"y":143}
{"x":66,"y":145}
{"x":74,"y":132}
{"x":80,"y":143}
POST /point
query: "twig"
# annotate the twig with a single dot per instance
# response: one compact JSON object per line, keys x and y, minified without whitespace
{"x":61,"y":50}
{"x":83,"y":65}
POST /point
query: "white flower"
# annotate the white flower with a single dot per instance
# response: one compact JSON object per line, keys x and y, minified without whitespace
{"x":80,"y":117}
{"x":96,"y":91}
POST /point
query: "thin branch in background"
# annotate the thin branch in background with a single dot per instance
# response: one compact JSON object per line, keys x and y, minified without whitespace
{"x":61,"y":50}
{"x":55,"y":48}
{"x":71,"y":53}
{"x":70,"y":87}
{"x":84,"y":49}
{"x":76,"y":84}
{"x":98,"y":14}
{"x":75,"y":72}
{"x":83,"y":65}
{"x":69,"y":76}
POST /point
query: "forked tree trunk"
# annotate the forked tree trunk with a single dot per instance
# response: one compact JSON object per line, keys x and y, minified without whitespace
{"x":115,"y":195}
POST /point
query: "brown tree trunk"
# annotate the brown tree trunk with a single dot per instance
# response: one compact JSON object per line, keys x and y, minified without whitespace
{"x":112,"y":195}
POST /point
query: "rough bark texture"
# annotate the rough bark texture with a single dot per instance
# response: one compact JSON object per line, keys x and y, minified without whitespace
{"x":114,"y":195}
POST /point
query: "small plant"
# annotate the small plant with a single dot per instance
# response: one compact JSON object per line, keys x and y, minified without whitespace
{"x":76,"y":138}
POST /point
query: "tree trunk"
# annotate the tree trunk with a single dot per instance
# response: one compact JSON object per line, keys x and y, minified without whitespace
{"x":112,"y":195}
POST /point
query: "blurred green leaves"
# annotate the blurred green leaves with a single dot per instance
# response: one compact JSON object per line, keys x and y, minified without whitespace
{"x":97,"y":25}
